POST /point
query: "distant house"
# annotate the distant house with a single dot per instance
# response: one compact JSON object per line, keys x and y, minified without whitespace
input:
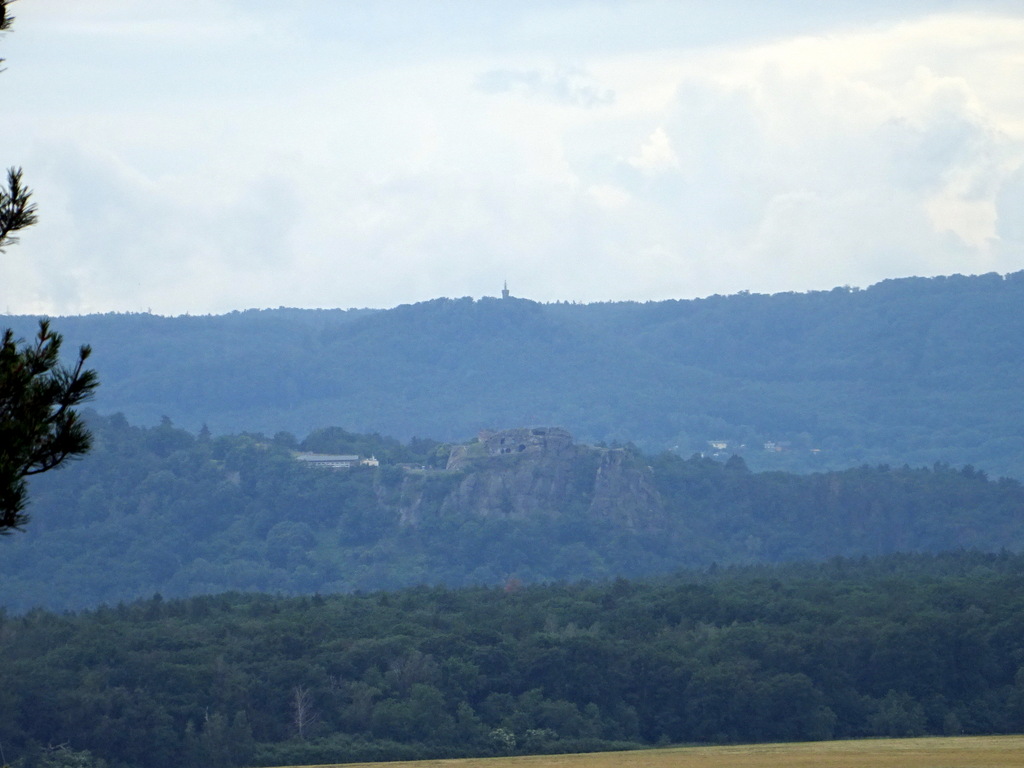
{"x":718,"y":445}
{"x":330,"y":460}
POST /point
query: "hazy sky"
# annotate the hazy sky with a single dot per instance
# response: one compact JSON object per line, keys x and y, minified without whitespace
{"x":207,"y":155}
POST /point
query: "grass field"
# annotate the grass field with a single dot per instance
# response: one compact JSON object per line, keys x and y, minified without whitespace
{"x":958,"y":752}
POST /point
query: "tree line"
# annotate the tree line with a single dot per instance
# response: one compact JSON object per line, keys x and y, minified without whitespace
{"x":916,"y":370}
{"x":898,"y":645}
{"x":159,"y":509}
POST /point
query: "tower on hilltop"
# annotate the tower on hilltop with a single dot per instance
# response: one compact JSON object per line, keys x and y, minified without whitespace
{"x":504,"y":291}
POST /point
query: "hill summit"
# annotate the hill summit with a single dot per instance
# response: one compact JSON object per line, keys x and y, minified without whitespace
{"x":520,"y":473}
{"x":158,"y":509}
{"x":913,"y":371}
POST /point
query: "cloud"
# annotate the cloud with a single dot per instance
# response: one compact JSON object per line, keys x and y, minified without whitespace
{"x":566,"y":86}
{"x":112,"y":237}
{"x":817,"y":162}
{"x":184,"y":23}
{"x":332,"y":177}
{"x":655,"y":154}
{"x":1008,"y":206}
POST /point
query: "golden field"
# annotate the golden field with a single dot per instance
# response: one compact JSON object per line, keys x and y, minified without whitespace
{"x":938,"y":752}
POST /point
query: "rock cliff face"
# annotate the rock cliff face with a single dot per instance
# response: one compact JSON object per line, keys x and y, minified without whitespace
{"x":519,"y":473}
{"x":626,"y":493}
{"x":539,"y":443}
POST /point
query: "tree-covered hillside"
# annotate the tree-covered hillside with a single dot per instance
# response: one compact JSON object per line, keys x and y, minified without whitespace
{"x":159,"y":509}
{"x":915,"y":370}
{"x":896,"y":646}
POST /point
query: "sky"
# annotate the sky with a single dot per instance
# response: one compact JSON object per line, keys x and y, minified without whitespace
{"x":204,"y":156}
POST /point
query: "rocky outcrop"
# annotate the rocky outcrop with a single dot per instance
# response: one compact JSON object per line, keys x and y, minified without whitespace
{"x":625,"y":492}
{"x":519,"y":473}
{"x":527,"y":444}
{"x":515,"y":473}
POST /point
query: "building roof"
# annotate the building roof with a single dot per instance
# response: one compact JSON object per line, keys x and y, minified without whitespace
{"x":325,"y":458}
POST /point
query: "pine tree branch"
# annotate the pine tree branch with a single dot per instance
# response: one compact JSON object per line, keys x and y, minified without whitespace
{"x":16,"y":209}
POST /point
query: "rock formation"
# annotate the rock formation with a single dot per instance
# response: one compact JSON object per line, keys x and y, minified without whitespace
{"x":519,"y":473}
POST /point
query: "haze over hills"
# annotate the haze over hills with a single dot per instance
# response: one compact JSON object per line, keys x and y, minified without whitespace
{"x":912,"y":371}
{"x":159,"y":510}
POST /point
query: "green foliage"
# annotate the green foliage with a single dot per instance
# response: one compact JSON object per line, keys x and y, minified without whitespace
{"x":907,"y":371}
{"x":16,"y":209}
{"x":39,"y":428}
{"x":161,"y":510}
{"x":59,"y":757}
{"x":892,"y":646}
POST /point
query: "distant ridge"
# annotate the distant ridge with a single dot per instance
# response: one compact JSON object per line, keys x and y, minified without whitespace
{"x":913,"y":370}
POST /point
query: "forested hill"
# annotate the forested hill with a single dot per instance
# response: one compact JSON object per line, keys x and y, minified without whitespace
{"x":897,"y":646}
{"x":158,"y":509}
{"x":914,"y":370}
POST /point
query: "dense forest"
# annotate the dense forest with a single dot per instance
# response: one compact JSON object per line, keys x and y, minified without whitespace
{"x":790,"y":535}
{"x":914,"y":371}
{"x":159,"y":509}
{"x":893,"y":646}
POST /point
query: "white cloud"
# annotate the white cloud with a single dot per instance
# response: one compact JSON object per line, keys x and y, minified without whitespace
{"x":656,"y":154}
{"x":326,"y":176}
{"x":567,"y":85}
{"x":183,"y":24}
{"x":816,"y":162}
{"x":609,"y":196}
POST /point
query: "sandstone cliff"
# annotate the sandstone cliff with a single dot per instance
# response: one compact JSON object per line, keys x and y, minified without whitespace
{"x":520,"y":473}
